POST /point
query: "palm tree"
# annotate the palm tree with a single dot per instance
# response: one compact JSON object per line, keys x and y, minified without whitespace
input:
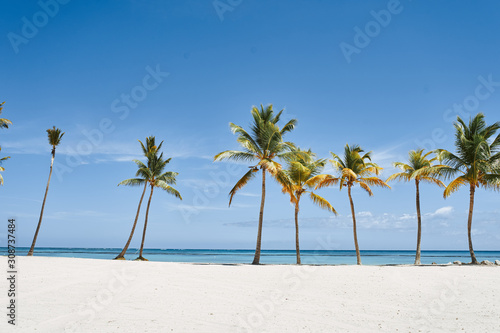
{"x":54,"y":135}
{"x":302,"y":174}
{"x":262,"y":146}
{"x":354,"y":169}
{"x":4,"y":123}
{"x":477,"y":161}
{"x":148,"y":150}
{"x":418,"y":168}
{"x":153,"y":174}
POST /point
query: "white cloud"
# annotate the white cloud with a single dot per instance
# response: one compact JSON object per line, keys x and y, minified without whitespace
{"x":442,"y":212}
{"x":364,"y":214}
{"x":247,"y":194}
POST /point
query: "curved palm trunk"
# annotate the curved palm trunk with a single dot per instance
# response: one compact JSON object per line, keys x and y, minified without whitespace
{"x":469,"y":224}
{"x":122,"y":254}
{"x":30,"y":253}
{"x":358,"y":255}
{"x":419,"y":221}
{"x":145,"y":226}
{"x":297,"y":231}
{"x":256,"y":259}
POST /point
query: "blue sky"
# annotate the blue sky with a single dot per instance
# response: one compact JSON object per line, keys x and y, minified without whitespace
{"x":390,"y":76}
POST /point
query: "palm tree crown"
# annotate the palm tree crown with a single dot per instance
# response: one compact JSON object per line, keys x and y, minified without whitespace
{"x":4,"y":123}
{"x":476,"y":159}
{"x":54,"y":136}
{"x":353,"y":169}
{"x":419,"y":168}
{"x":302,"y":176}
{"x":2,"y":168}
{"x":261,"y":146}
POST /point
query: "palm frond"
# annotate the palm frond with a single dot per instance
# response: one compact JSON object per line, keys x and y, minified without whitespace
{"x":249,"y":142}
{"x":322,"y":202}
{"x":132,"y":182}
{"x":431,"y":180}
{"x":169,"y":189}
{"x":326,"y":181}
{"x":241,"y":183}
{"x":169,"y":177}
{"x":400,"y":176}
{"x":373,"y":181}
{"x":289,"y":126}
{"x":454,"y":185}
{"x":367,"y":188}
{"x":314,"y":181}
{"x":235,"y":155}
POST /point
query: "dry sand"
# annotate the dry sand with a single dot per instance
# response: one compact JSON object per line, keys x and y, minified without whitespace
{"x":89,"y":295}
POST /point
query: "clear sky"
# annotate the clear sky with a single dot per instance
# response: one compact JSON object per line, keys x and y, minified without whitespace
{"x":390,"y":76}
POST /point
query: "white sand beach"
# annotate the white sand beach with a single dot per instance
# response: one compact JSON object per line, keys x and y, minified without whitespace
{"x":89,"y":295}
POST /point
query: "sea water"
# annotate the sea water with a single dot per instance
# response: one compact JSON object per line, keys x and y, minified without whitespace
{"x":321,"y":257}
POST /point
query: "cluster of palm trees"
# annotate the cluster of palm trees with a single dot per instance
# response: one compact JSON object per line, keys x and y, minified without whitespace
{"x":476,"y":161}
{"x":153,"y":174}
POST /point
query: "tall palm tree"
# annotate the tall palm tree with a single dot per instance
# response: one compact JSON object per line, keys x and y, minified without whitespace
{"x":4,"y":123}
{"x":354,"y":169}
{"x":262,"y":146}
{"x":302,"y":174}
{"x":149,"y":150}
{"x":477,"y":161}
{"x":153,"y":175}
{"x":54,"y":134}
{"x":418,"y":168}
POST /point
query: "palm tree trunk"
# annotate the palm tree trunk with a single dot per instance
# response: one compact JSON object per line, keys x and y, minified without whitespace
{"x":256,"y":259}
{"x":30,"y":253}
{"x":469,"y":224}
{"x":297,"y":231}
{"x":122,"y":254}
{"x":358,"y":255}
{"x":419,"y":221}
{"x":145,"y":225}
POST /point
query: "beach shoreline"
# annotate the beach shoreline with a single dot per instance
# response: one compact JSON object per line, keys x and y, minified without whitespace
{"x":94,"y":295}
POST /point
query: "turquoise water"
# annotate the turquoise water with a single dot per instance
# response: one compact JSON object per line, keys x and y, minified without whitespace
{"x":334,"y":257}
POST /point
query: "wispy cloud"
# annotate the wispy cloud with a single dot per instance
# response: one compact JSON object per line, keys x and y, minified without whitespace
{"x":86,"y":152}
{"x":247,"y":194}
{"x":439,"y":221}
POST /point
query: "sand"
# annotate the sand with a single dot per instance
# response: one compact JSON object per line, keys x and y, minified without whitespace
{"x":89,"y":295}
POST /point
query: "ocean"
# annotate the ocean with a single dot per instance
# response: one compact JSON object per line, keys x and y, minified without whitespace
{"x":321,"y":257}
